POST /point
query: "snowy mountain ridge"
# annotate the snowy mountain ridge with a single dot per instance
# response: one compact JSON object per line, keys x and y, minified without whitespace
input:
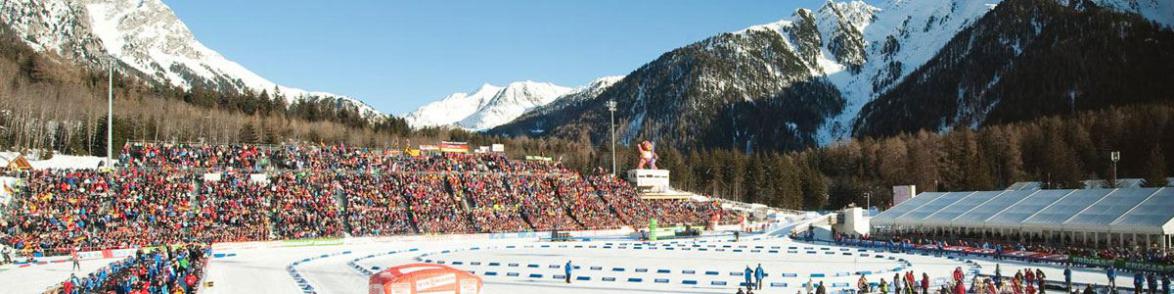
{"x":487,"y":107}
{"x":147,"y":37}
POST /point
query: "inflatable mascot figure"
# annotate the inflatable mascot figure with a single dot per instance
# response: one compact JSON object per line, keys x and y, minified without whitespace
{"x":647,"y":155}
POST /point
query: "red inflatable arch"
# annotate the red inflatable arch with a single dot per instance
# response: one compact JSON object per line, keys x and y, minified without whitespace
{"x":424,"y":278}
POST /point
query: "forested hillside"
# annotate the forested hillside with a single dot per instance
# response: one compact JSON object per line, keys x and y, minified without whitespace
{"x":1059,"y":151}
{"x":1027,"y":59}
{"x":50,"y":103}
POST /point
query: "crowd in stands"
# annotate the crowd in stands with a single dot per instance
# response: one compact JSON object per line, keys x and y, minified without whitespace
{"x":374,"y":207}
{"x":167,"y":194}
{"x":165,"y":270}
{"x":541,"y":205}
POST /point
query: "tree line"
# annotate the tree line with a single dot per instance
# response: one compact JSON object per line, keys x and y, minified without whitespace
{"x":1057,"y":151}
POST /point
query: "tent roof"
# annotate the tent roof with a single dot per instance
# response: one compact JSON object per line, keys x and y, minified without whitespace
{"x":1127,"y":210}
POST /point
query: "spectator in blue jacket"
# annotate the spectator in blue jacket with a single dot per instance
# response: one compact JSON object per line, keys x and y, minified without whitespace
{"x":759,"y":273}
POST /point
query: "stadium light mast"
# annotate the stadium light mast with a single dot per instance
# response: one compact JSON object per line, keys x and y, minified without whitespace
{"x":868,"y":198}
{"x":1114,"y":156}
{"x":611,"y":107}
{"x":110,"y":115}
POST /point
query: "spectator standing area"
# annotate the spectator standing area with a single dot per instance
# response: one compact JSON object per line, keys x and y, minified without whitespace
{"x":1127,"y":217}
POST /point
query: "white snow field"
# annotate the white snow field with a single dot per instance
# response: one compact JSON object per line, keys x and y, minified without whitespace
{"x":521,"y":263}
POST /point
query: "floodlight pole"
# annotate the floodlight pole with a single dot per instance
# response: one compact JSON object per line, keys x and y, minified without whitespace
{"x":1114,"y":156}
{"x":611,"y":107}
{"x":110,"y":115}
{"x":868,"y":198}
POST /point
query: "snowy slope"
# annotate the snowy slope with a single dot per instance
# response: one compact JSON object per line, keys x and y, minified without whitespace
{"x":896,"y":38}
{"x":1160,"y":11}
{"x":488,"y":107}
{"x":144,"y":35}
{"x":452,"y":108}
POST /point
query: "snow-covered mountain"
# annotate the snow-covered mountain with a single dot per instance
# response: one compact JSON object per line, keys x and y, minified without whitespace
{"x":146,"y":38}
{"x":535,"y":120}
{"x":803,"y":81}
{"x":487,"y":107}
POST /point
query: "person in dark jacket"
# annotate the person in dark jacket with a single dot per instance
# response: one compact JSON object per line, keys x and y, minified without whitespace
{"x":1138,"y":282}
{"x":1165,"y":283}
{"x":1151,"y":280}
{"x":1068,"y":278}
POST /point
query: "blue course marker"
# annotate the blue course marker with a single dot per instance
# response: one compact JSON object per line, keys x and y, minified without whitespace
{"x":818,"y":275}
{"x":710,"y":273}
{"x":582,"y":278}
{"x":536,"y":276}
{"x":717,"y":283}
{"x":689,"y":282}
{"x":608,"y":279}
{"x":635,"y":280}
{"x":664,"y":271}
{"x":661,"y":281}
{"x":511,"y":274}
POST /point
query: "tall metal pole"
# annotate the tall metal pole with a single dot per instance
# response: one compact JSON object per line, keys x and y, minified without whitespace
{"x":611,"y":107}
{"x":1114,"y":156}
{"x":110,"y":116}
{"x":868,"y":198}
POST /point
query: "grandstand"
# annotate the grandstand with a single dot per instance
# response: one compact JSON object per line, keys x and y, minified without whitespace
{"x":173,"y":193}
{"x":1099,"y":217}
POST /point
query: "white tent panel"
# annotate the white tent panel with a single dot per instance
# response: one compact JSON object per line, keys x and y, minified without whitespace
{"x":945,"y":215}
{"x":1104,"y":212}
{"x":1055,"y":215}
{"x":1014,"y":216}
{"x":916,"y":216}
{"x":977,"y":216}
{"x":886,"y":217}
{"x":1155,"y":215}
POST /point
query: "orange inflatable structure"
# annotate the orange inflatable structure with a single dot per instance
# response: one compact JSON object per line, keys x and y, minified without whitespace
{"x":424,"y":278}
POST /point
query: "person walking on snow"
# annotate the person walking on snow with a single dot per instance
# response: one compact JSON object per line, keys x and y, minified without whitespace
{"x":748,"y":274}
{"x":759,"y":273}
{"x":1068,"y":278}
{"x":76,"y":263}
{"x":1138,"y":281}
{"x":567,"y":270}
{"x":1112,"y":274}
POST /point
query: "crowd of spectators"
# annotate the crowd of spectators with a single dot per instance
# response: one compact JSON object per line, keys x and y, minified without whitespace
{"x":541,"y":205}
{"x":373,"y":206}
{"x":165,"y":270}
{"x":999,"y":245}
{"x":494,"y":208}
{"x":173,"y":193}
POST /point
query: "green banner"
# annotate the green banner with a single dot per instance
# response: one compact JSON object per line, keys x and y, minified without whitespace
{"x":1122,"y":264}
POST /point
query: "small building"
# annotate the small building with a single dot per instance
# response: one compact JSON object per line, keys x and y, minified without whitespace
{"x":851,"y":221}
{"x":650,"y":180}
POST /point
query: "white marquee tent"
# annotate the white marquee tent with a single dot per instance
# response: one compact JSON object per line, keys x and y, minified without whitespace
{"x":1102,"y":216}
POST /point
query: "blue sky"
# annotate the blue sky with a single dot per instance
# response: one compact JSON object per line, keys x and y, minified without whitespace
{"x":398,"y":55}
